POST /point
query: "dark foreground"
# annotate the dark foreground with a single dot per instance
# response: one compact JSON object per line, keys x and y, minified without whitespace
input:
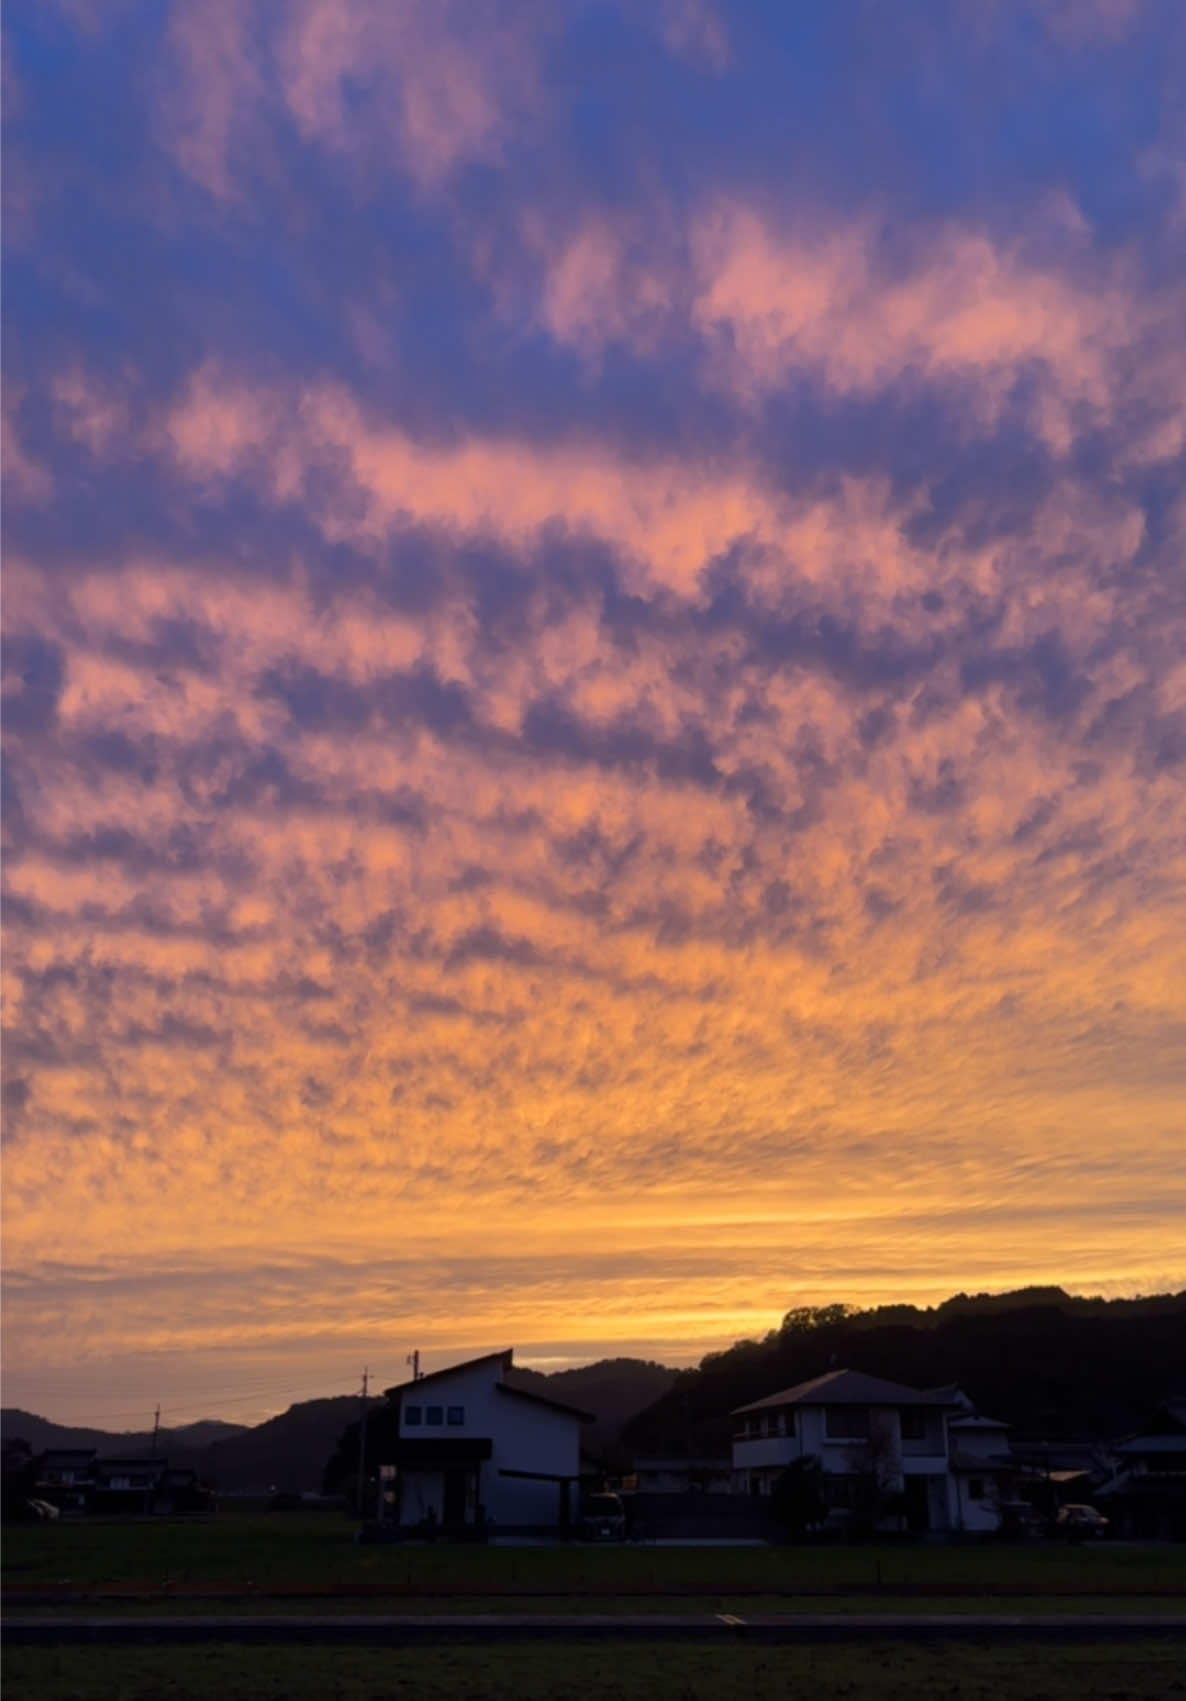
{"x":885,"y":1668}
{"x":436,"y":1629}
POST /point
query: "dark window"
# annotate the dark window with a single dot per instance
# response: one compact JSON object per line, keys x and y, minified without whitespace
{"x":411,"y":1414}
{"x":434,"y":1414}
{"x":456,"y":1414}
{"x":975,"y":1488}
{"x":914,"y":1424}
{"x":847,"y":1423}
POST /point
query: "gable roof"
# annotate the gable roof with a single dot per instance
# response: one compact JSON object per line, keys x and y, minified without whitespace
{"x":851,"y":1388}
{"x":503,"y":1359}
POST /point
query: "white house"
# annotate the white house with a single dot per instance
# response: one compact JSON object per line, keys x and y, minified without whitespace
{"x":982,"y":1470}
{"x":475,"y":1449}
{"x":867,"y":1433}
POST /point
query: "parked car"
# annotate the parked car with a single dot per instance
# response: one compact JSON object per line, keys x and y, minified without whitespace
{"x":1078,"y":1521}
{"x":44,"y":1511}
{"x":602,"y":1519}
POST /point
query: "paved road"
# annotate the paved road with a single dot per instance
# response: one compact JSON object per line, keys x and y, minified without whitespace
{"x":400,"y":1631}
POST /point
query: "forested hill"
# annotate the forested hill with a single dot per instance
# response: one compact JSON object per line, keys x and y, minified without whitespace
{"x":1049,"y":1364}
{"x":290,"y":1451}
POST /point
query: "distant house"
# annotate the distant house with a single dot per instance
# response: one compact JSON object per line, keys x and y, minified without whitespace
{"x":132,"y":1485}
{"x":1146,"y":1496}
{"x":474,"y":1450}
{"x":983,"y":1471}
{"x":683,"y":1476}
{"x":66,"y":1477}
{"x":907,"y":1456}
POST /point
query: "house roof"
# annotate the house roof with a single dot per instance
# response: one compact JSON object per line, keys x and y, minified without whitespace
{"x":543,"y":1400}
{"x":1153,"y":1444}
{"x":69,"y":1455}
{"x":975,"y":1421}
{"x":505,"y":1358}
{"x":504,"y":1361}
{"x":850,"y":1388}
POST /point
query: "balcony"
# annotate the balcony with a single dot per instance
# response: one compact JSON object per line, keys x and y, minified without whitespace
{"x":755,"y":1452}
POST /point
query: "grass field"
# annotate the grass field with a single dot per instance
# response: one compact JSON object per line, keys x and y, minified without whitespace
{"x":883,"y":1671}
{"x":318,"y":1551}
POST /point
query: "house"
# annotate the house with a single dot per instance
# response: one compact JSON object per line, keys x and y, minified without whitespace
{"x":475,"y":1451}
{"x":883,"y":1447}
{"x":127,"y":1485}
{"x":66,"y":1476}
{"x":982,"y":1468}
{"x":1146,"y":1495}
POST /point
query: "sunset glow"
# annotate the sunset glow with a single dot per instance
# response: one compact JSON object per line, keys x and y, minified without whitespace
{"x":595,"y":677}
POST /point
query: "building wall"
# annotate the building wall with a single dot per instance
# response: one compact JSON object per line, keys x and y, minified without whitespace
{"x":528,"y":1437}
{"x":472,"y":1389}
{"x":759,"y":1460}
{"x":524,"y":1437}
{"x":980,"y":1515}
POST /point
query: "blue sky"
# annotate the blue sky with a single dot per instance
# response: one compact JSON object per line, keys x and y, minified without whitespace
{"x":594,"y":713}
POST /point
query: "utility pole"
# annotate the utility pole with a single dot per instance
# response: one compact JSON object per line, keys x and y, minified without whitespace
{"x":362,"y":1442}
{"x":413,"y":1359}
{"x":156,"y":1427}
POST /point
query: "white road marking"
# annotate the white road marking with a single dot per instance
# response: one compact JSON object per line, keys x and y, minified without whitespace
{"x":728,"y":1618}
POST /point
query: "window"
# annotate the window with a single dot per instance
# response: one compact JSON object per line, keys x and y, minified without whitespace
{"x":847,"y":1423}
{"x":975,"y":1488}
{"x":434,"y":1414}
{"x":412,"y":1416}
{"x":455,"y":1415}
{"x":914,"y":1424}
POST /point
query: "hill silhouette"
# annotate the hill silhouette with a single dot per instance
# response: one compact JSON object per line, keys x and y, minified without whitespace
{"x":187,"y":1438}
{"x":289,"y":1452}
{"x":1051,"y":1365}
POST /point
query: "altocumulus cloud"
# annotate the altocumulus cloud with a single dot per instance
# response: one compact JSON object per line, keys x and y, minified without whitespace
{"x":563,"y":689}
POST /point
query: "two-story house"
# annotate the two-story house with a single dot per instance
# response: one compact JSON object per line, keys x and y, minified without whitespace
{"x":879,"y":1444}
{"x":474,"y":1450}
{"x":983,"y":1470}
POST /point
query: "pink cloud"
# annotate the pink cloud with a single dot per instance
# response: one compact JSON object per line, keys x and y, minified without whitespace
{"x":667,"y":516}
{"x":821,"y":298}
{"x":433,"y":86}
{"x":695,"y":30}
{"x":205,"y":116}
{"x":27,"y":481}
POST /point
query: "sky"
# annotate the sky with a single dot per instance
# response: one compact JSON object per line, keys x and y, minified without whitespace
{"x":594,"y":677}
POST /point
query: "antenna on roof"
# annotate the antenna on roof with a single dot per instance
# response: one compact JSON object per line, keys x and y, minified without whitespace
{"x":413,"y":1359}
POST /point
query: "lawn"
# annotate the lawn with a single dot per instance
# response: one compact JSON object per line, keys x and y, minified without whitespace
{"x":1148,"y":1670}
{"x":299,"y":1551}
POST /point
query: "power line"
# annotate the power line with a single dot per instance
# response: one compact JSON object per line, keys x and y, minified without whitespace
{"x":202,"y":1405}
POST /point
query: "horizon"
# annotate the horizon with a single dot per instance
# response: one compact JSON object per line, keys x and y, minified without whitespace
{"x":262,"y":1412}
{"x":594,"y":709}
